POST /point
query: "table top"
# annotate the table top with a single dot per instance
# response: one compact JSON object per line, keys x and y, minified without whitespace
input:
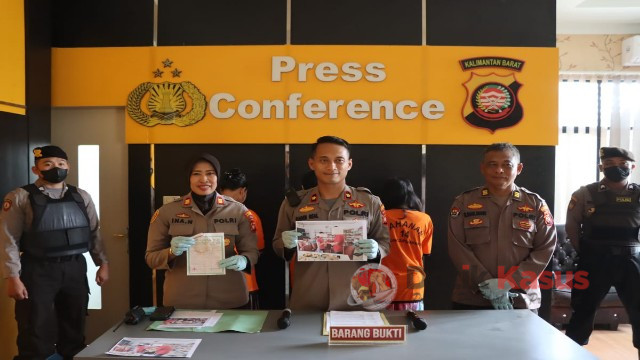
{"x":451,"y":334}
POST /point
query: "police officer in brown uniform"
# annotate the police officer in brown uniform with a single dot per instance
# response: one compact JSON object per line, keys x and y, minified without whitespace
{"x":326,"y":285}
{"x":603,"y":220}
{"x":45,"y":228}
{"x":501,"y":237}
{"x":203,"y":210}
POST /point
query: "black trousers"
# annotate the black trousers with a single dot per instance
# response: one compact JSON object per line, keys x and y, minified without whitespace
{"x":53,"y":317}
{"x":603,"y":271}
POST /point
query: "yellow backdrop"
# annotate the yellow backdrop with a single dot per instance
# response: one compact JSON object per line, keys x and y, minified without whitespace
{"x":412,"y":75}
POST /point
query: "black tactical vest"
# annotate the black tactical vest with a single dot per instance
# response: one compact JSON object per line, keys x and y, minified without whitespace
{"x":60,"y":226}
{"x":615,"y":219}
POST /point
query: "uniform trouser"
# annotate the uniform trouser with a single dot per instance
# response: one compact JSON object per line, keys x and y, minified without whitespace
{"x":603,"y":271}
{"x":53,"y":317}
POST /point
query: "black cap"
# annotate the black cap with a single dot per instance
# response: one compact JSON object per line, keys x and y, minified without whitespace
{"x":47,"y":152}
{"x":609,"y":152}
{"x":208,"y":158}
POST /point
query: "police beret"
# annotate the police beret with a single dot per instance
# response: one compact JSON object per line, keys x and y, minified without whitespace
{"x":609,"y":152}
{"x":49,"y":151}
{"x":208,"y":158}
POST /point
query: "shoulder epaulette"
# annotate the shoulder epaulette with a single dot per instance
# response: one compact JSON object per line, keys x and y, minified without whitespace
{"x":531,"y":193}
{"x":361,"y":188}
{"x":470,"y":190}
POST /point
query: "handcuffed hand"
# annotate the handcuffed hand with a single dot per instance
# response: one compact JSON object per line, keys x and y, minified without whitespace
{"x":236,"y":262}
{"x":368,"y":247}
{"x":180,"y":244}
{"x":290,"y":239}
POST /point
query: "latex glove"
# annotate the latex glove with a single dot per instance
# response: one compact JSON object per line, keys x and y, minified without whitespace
{"x":236,"y":262}
{"x":494,"y":288}
{"x":368,"y":247}
{"x":503,"y":302}
{"x":290,"y":239}
{"x":180,"y":244}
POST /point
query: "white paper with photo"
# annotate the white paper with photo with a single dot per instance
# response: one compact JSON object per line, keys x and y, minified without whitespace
{"x":191,"y":319}
{"x":155,"y":347}
{"x":352,"y":318}
{"x":330,"y":240}
{"x":204,"y":256}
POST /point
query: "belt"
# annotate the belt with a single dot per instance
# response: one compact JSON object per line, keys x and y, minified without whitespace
{"x":56,"y":259}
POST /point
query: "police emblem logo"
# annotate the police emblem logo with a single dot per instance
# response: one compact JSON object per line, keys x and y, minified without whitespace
{"x":186,"y":201}
{"x":591,"y":210}
{"x":220,"y":200}
{"x":525,"y":208}
{"x":384,"y":215}
{"x":227,"y":241}
{"x":155,"y":216}
{"x":524,"y":225}
{"x":492,"y":100}
{"x":356,"y":204}
{"x":166,"y":103}
{"x":454,"y":212}
{"x":183,"y":215}
{"x":474,"y":206}
{"x":306,"y":209}
{"x":516,"y":194}
{"x":313,"y":199}
{"x":546,"y":214}
{"x":37,"y":153}
{"x":6,"y":205}
{"x":485,"y":192}
{"x":252,"y":220}
{"x":347,"y":195}
{"x":476,"y":222}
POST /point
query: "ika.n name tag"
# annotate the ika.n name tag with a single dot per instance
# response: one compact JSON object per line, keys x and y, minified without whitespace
{"x":351,"y":335}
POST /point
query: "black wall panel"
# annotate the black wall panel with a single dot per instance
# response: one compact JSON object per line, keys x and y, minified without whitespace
{"x":361,"y":22}
{"x":264,"y":166}
{"x":14,"y":152}
{"x":98,"y":23}
{"x":491,"y":23}
{"x":372,"y":165}
{"x":454,"y":169}
{"x":140,"y":211}
{"x":206,"y":22}
{"x":38,"y":72}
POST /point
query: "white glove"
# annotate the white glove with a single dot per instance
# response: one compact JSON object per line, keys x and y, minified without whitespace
{"x":180,"y":244}
{"x":290,"y":239}
{"x":494,"y":288}
{"x":236,"y":262}
{"x":368,"y":247}
{"x":503,"y":302}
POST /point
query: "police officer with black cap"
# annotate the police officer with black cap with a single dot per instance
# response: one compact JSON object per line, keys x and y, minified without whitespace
{"x":603,"y":220}
{"x":45,"y":228}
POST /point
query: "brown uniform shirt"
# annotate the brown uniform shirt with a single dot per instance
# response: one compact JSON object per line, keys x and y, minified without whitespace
{"x":581,"y":207}
{"x":325,"y":285}
{"x":184,"y":218}
{"x":16,"y":218}
{"x":489,"y":241}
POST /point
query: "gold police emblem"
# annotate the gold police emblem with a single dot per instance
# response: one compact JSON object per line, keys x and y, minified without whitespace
{"x":166,"y":103}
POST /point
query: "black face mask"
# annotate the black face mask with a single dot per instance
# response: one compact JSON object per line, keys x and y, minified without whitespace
{"x":616,"y":173}
{"x":54,"y":175}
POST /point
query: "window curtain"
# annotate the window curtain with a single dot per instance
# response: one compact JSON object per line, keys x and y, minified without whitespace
{"x":595,"y":110}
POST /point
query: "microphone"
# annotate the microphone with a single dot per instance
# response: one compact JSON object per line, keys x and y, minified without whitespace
{"x":285,"y":320}
{"x":417,"y":321}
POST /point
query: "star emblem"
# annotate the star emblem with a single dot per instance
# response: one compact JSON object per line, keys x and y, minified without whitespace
{"x":157,"y":73}
{"x":167,"y":63}
{"x":176,"y":72}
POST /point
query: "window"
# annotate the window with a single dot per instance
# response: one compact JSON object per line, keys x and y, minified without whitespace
{"x":593,"y":113}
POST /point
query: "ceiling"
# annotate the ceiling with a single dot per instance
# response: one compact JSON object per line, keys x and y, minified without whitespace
{"x":598,"y":17}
